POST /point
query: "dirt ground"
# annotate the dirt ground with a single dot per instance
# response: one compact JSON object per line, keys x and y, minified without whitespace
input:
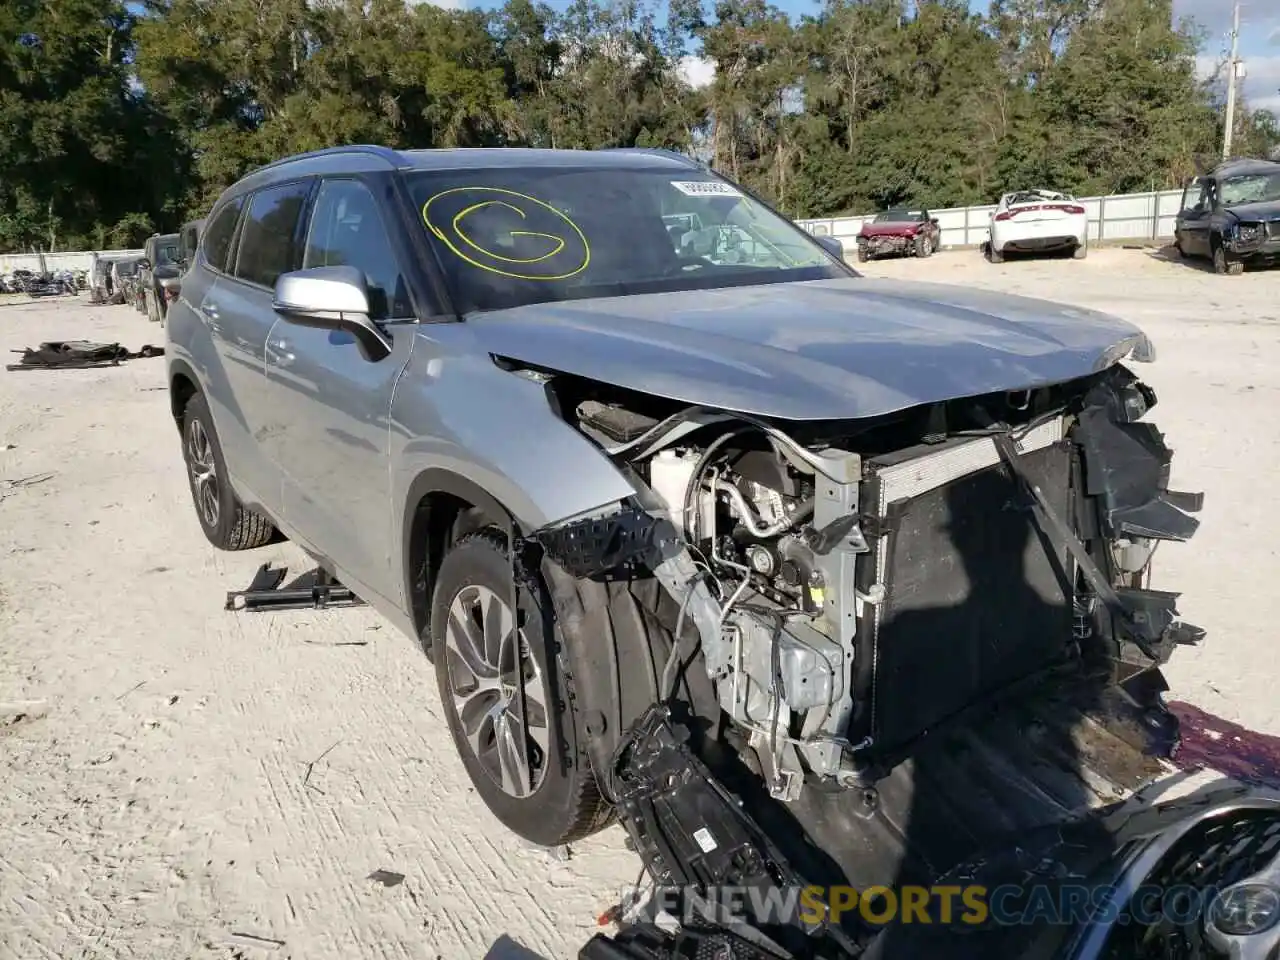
{"x":179,"y":781}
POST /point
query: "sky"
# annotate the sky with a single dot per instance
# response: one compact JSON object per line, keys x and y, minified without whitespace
{"x":1259,"y":39}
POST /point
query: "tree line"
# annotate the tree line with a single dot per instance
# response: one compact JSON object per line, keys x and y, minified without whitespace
{"x":120,"y":120}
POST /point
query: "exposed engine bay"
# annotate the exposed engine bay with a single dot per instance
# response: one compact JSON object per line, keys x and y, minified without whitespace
{"x":854,"y":585}
{"x":950,"y":603}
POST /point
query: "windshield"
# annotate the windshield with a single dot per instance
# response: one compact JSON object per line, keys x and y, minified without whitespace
{"x":510,"y":236}
{"x":1252,"y":188}
{"x":899,"y":216}
{"x":167,"y":253}
{"x":126,"y":268}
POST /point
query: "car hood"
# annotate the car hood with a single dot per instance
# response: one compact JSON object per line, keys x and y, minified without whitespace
{"x":815,"y":350}
{"x":1269,"y":210}
{"x":889,"y":229}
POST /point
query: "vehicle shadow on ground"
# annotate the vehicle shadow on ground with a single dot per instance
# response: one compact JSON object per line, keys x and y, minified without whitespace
{"x":1169,"y":254}
{"x":504,"y":948}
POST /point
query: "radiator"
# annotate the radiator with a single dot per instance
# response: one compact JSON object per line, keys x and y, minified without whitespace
{"x":976,"y":597}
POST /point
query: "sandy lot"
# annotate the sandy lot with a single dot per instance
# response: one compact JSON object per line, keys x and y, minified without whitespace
{"x":179,"y":781}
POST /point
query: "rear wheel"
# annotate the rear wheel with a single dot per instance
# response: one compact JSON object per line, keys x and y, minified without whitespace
{"x":1080,"y":251}
{"x":994,"y":255}
{"x":505,"y":697}
{"x":227,"y":523}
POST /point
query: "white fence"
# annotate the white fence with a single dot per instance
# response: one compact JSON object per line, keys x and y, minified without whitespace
{"x":52,"y":262}
{"x":1132,"y":216}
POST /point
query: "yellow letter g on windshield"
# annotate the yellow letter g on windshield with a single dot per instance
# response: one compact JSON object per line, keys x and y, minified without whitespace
{"x":508,"y":233}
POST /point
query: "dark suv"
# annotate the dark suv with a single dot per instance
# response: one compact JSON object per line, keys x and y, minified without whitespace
{"x":1232,"y":216}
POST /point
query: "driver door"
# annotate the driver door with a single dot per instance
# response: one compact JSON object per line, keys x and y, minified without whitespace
{"x":330,"y":405}
{"x":1192,"y":230}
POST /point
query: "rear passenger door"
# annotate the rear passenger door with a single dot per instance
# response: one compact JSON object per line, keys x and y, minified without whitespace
{"x":239,"y":309}
{"x":329,"y":406}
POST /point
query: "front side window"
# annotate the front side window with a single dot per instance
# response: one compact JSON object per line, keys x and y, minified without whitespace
{"x":217,"y":239}
{"x":348,"y":230}
{"x":267,"y":244}
{"x":509,"y":236}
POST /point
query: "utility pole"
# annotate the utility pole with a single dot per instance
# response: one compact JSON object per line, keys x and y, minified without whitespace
{"x":1233,"y":65}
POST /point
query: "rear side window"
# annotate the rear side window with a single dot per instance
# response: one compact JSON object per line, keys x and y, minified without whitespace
{"x":217,"y":239}
{"x":267,"y":245}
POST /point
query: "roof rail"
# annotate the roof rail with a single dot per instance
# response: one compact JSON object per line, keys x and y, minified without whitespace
{"x":659,"y":151}
{"x":386,"y":153}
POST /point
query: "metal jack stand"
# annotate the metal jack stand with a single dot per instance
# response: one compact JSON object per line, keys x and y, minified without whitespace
{"x":316,"y":591}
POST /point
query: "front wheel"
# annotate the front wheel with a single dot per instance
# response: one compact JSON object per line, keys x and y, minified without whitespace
{"x":1222,"y":264}
{"x":505,"y":697}
{"x":924,"y":246}
{"x":862,"y":254}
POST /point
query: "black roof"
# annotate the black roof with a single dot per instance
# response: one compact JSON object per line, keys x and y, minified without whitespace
{"x":1244,"y":166}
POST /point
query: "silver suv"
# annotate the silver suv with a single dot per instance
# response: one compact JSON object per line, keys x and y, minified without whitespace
{"x":539,"y":410}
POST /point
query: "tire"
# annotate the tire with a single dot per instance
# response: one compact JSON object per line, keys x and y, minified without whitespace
{"x":153,"y":308}
{"x":994,"y":255}
{"x":1222,"y":264}
{"x":862,"y":254}
{"x":923,"y":246}
{"x":227,"y":523}
{"x":1080,"y":251}
{"x":557,"y":801}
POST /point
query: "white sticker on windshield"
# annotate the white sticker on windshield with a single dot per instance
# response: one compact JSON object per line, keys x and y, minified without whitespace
{"x":706,"y":188}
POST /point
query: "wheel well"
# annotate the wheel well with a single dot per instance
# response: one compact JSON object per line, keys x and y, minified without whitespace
{"x":181,"y":389}
{"x":439,"y":520}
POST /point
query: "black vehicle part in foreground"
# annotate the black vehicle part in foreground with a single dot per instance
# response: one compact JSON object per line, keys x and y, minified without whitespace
{"x":79,"y":354}
{"x":1194,"y":856}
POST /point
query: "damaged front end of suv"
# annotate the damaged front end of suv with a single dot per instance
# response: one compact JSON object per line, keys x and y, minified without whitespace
{"x":919,"y":629}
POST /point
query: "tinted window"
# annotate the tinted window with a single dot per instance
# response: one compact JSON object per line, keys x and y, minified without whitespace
{"x":217,"y":239}
{"x":188,"y":240}
{"x":348,"y":230}
{"x":900,"y":216}
{"x":508,"y":236}
{"x":267,"y":245}
{"x":167,"y":253}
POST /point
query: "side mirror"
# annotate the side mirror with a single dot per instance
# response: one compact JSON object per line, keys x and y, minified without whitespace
{"x":144,"y":264}
{"x":332,"y":298}
{"x":832,"y":245}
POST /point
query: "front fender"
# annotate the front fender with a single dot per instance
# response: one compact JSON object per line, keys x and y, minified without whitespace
{"x":462,"y":425}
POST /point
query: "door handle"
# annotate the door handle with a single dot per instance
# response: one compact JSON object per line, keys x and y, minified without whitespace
{"x":278,"y":354}
{"x":210,"y":310}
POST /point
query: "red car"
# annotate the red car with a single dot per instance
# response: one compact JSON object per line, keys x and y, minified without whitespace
{"x":911,"y":232}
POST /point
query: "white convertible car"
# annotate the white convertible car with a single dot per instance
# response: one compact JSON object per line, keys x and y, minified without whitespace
{"x":1037,"y":221}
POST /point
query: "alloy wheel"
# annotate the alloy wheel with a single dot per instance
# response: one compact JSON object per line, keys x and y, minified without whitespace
{"x":499,"y":693}
{"x":204,"y":472}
